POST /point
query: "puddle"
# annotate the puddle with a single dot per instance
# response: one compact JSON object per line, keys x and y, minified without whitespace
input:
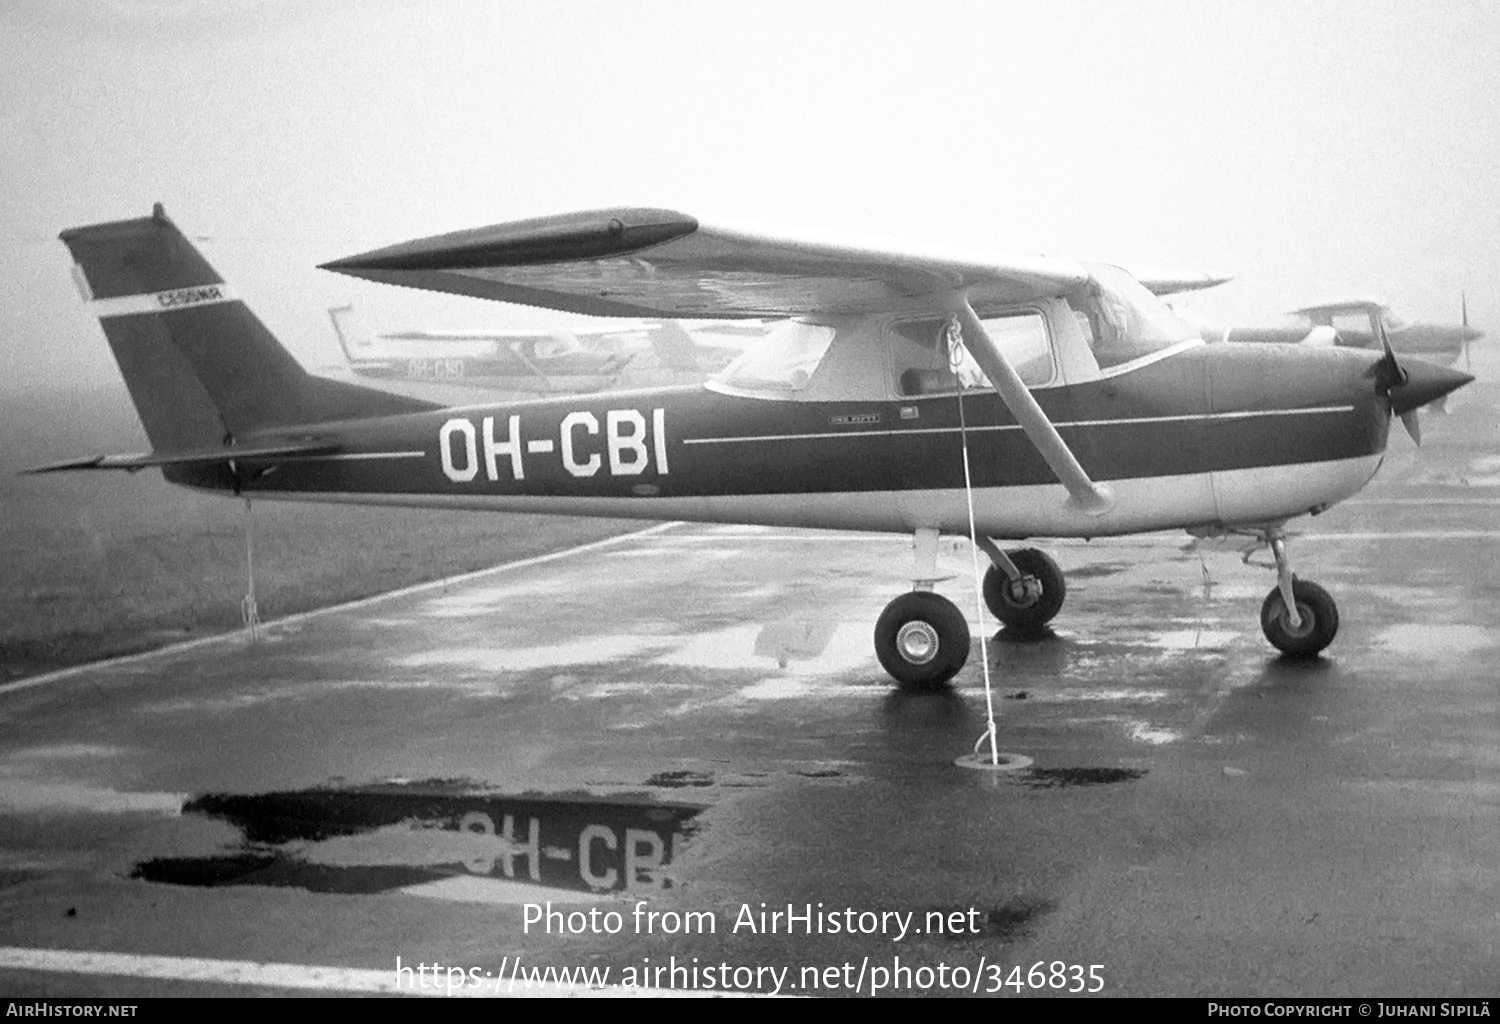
{"x":1098,"y":569}
{"x":66,"y":751}
{"x":311,"y":691}
{"x":800,"y":647}
{"x":1436,"y":641}
{"x":435,"y":839}
{"x":1063,"y":778}
{"x":777,"y":689}
{"x":528,"y":659}
{"x":680,"y":779}
{"x":723,"y":648}
{"x":1192,"y":640}
{"x":1072,"y":696}
{"x":72,"y":797}
{"x":1145,"y":732}
{"x":483,"y":600}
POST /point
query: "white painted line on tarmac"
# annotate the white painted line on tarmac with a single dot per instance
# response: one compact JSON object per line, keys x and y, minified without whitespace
{"x":847,"y":538}
{"x":1406,"y":535}
{"x":1174,"y":539}
{"x":1422,"y":501}
{"x":311,"y":977}
{"x":219,"y":638}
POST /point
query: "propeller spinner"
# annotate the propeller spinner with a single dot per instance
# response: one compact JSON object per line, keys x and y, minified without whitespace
{"x":1413,"y":385}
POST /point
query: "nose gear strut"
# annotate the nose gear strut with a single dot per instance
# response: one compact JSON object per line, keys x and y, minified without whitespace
{"x":1299,"y":617}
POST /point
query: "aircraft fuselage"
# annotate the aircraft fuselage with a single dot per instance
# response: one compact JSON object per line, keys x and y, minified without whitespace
{"x":1216,"y":434}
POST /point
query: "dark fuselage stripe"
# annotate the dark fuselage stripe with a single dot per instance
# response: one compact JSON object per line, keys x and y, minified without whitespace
{"x":1195,"y":417}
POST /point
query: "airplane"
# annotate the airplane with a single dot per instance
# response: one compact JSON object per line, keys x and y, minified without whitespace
{"x":902,"y":391}
{"x":1356,"y":323}
{"x":703,"y":348}
{"x":517,"y":360}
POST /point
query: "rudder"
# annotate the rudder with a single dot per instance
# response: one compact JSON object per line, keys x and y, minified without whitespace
{"x":201,"y":368}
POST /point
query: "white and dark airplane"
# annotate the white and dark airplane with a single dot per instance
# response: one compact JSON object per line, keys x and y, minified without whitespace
{"x":562,"y":361}
{"x":902,"y":391}
{"x":1357,"y":323}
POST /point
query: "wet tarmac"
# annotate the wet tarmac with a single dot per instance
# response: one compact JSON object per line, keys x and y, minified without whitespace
{"x":675,"y":757}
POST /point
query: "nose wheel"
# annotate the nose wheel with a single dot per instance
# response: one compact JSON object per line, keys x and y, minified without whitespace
{"x":1298,"y":617}
{"x":1317,"y":619}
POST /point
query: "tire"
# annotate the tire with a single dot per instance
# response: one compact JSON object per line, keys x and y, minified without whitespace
{"x":922,"y":640}
{"x":1320,"y":620}
{"x":1026,"y":616}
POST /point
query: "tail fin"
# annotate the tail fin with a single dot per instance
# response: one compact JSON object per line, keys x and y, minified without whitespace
{"x":201,"y":368}
{"x":674,"y":346}
{"x":354,"y":343}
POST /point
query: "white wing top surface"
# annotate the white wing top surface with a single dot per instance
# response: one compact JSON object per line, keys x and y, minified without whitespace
{"x":649,"y":262}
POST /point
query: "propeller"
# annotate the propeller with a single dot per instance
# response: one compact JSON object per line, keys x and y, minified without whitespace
{"x":1463,"y":301}
{"x":1408,"y":388}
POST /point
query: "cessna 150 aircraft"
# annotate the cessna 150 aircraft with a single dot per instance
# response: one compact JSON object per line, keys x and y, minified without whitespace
{"x":902,"y":391}
{"x":514,"y":360}
{"x":1358,"y":323}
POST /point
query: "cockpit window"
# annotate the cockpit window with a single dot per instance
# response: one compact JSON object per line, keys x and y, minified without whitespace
{"x":926,"y":363}
{"x":783,"y":362}
{"x":1121,"y":320}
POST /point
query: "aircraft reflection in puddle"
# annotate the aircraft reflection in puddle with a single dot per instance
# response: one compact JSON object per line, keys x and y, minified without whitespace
{"x":379,"y":838}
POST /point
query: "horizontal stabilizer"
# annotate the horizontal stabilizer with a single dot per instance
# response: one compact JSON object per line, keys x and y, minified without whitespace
{"x":197,"y":457}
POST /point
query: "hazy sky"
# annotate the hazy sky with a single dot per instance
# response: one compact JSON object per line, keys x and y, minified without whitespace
{"x":1311,"y":149}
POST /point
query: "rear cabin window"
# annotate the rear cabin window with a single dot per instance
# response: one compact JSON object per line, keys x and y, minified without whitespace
{"x":924,"y":364}
{"x":783,"y":362}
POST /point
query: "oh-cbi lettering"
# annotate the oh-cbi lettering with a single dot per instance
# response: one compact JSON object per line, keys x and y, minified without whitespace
{"x":629,"y":445}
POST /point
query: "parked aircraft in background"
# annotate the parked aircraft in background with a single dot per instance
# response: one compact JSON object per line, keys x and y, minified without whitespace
{"x":561,"y":360}
{"x":704,"y":347}
{"x":906,"y":391}
{"x":643,"y":353}
{"x":1355,"y":323}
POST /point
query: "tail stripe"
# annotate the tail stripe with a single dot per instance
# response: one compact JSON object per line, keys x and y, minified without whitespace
{"x":163,"y":302}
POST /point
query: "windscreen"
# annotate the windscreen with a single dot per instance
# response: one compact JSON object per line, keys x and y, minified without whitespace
{"x":1121,"y":320}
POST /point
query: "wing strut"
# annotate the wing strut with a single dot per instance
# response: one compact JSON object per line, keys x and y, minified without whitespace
{"x":1084,"y":495}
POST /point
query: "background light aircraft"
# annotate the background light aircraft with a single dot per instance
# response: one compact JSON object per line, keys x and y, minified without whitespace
{"x":703,"y":348}
{"x":913,"y":392}
{"x":1356,"y":323}
{"x":571,"y":361}
{"x":521,"y":360}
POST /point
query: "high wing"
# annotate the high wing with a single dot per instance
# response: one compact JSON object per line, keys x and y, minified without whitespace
{"x":1168,"y":282}
{"x":649,"y":262}
{"x":1322,"y":312}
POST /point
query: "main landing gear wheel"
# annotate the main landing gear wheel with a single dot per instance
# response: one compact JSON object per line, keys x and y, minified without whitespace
{"x":922,"y":640}
{"x":1319,"y":615}
{"x":1026,"y":604}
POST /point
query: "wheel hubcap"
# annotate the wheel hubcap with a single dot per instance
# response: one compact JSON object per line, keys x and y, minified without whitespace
{"x":1304,"y":628}
{"x":918,"y":642}
{"x":1024,"y":592}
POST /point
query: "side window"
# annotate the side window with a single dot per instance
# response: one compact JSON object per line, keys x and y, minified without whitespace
{"x":924,"y":365}
{"x":784,"y":362}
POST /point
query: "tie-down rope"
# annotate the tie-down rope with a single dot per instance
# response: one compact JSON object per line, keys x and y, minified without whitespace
{"x":955,"y":348}
{"x":248,"y":611}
